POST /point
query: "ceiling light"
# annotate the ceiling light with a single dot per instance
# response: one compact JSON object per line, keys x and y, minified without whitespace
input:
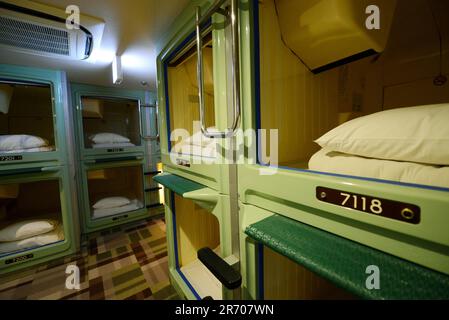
{"x":117,"y":72}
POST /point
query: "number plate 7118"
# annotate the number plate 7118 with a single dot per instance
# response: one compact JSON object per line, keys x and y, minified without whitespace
{"x":391,"y":209}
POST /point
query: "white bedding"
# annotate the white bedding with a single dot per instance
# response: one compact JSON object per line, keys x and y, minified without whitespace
{"x":209,"y":151}
{"x":41,"y":149}
{"x":108,"y":137}
{"x":37,"y":241}
{"x":408,"y":172}
{"x":26,"y":229}
{"x":197,"y":145}
{"x":14,"y":143}
{"x":113,"y":145}
{"x":102,"y":213}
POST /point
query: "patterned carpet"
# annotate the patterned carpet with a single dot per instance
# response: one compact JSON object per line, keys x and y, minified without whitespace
{"x":124,"y":263}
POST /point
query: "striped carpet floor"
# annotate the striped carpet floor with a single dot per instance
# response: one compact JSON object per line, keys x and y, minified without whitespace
{"x":124,"y":263}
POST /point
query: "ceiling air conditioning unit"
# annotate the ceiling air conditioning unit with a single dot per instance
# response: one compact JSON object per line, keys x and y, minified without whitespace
{"x":34,"y":28}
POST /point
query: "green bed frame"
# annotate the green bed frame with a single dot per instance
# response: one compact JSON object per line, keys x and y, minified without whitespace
{"x":56,"y":165}
{"x":98,"y":159}
{"x":344,"y":262}
{"x":207,"y":198}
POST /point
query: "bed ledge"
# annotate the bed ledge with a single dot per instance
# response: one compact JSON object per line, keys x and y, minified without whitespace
{"x":345,"y":262}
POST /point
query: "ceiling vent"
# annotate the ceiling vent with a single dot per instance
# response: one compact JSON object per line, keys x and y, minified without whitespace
{"x":33,"y":28}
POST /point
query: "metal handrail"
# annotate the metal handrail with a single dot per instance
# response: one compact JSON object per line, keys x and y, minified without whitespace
{"x":200,"y":19}
{"x":157,"y":136}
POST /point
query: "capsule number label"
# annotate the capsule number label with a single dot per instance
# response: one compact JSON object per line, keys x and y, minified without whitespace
{"x":10,"y":158}
{"x":397,"y":210}
{"x":113,"y":150}
{"x":360,"y":203}
{"x":19,"y":259}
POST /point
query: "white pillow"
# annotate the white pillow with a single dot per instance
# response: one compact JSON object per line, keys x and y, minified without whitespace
{"x":416,"y":134}
{"x":26,"y":229}
{"x":112,"y":202}
{"x":21,"y":141}
{"x":36,"y":241}
{"x":108,"y":138}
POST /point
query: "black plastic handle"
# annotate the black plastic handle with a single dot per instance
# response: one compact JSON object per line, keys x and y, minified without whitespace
{"x":153,"y":189}
{"x":152,"y":173}
{"x":230,"y":278}
{"x":151,"y":206}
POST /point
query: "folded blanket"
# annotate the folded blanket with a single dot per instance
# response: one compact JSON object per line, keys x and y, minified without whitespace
{"x":33,"y":242}
{"x":113,"y":145}
{"x":21,"y":141}
{"x":26,"y":229}
{"x":41,"y":149}
{"x":209,"y":151}
{"x":108,"y":137}
{"x":102,"y":213}
{"x":407,"y":172}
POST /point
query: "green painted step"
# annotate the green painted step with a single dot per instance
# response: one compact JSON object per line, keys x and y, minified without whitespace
{"x":177,"y":184}
{"x":344,"y":262}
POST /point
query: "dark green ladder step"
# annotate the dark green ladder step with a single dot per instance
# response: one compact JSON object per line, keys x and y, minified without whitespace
{"x":344,"y":262}
{"x":177,"y":184}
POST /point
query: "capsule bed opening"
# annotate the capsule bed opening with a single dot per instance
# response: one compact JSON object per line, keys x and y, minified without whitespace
{"x":30,"y":216}
{"x":284,"y":279}
{"x":196,"y":228}
{"x":110,"y":122}
{"x":155,"y":192}
{"x":26,"y":118}
{"x":365,"y":99}
{"x":115,"y":191}
{"x":183,"y":102}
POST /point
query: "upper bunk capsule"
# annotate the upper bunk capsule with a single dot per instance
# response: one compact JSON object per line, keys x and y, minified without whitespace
{"x":32,"y":116}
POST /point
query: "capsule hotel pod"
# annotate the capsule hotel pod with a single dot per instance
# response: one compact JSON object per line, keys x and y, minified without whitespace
{"x":224,"y":150}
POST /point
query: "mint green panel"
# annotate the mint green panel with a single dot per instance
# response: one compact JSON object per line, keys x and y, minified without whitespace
{"x":293,"y":193}
{"x":249,"y":251}
{"x":54,"y":80}
{"x":82,"y":90}
{"x":103,"y":169}
{"x":35,"y":256}
{"x":345,"y":262}
{"x":177,"y":184}
{"x":214,"y":203}
{"x":203,"y":170}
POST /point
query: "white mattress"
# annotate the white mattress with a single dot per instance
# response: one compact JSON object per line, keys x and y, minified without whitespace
{"x":41,"y":149}
{"x":102,"y":213}
{"x":33,"y":242}
{"x":197,"y":145}
{"x":407,"y":172}
{"x":206,"y":152}
{"x":113,"y":145}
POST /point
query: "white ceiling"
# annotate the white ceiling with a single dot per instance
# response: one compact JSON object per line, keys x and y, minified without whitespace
{"x":133,"y":28}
